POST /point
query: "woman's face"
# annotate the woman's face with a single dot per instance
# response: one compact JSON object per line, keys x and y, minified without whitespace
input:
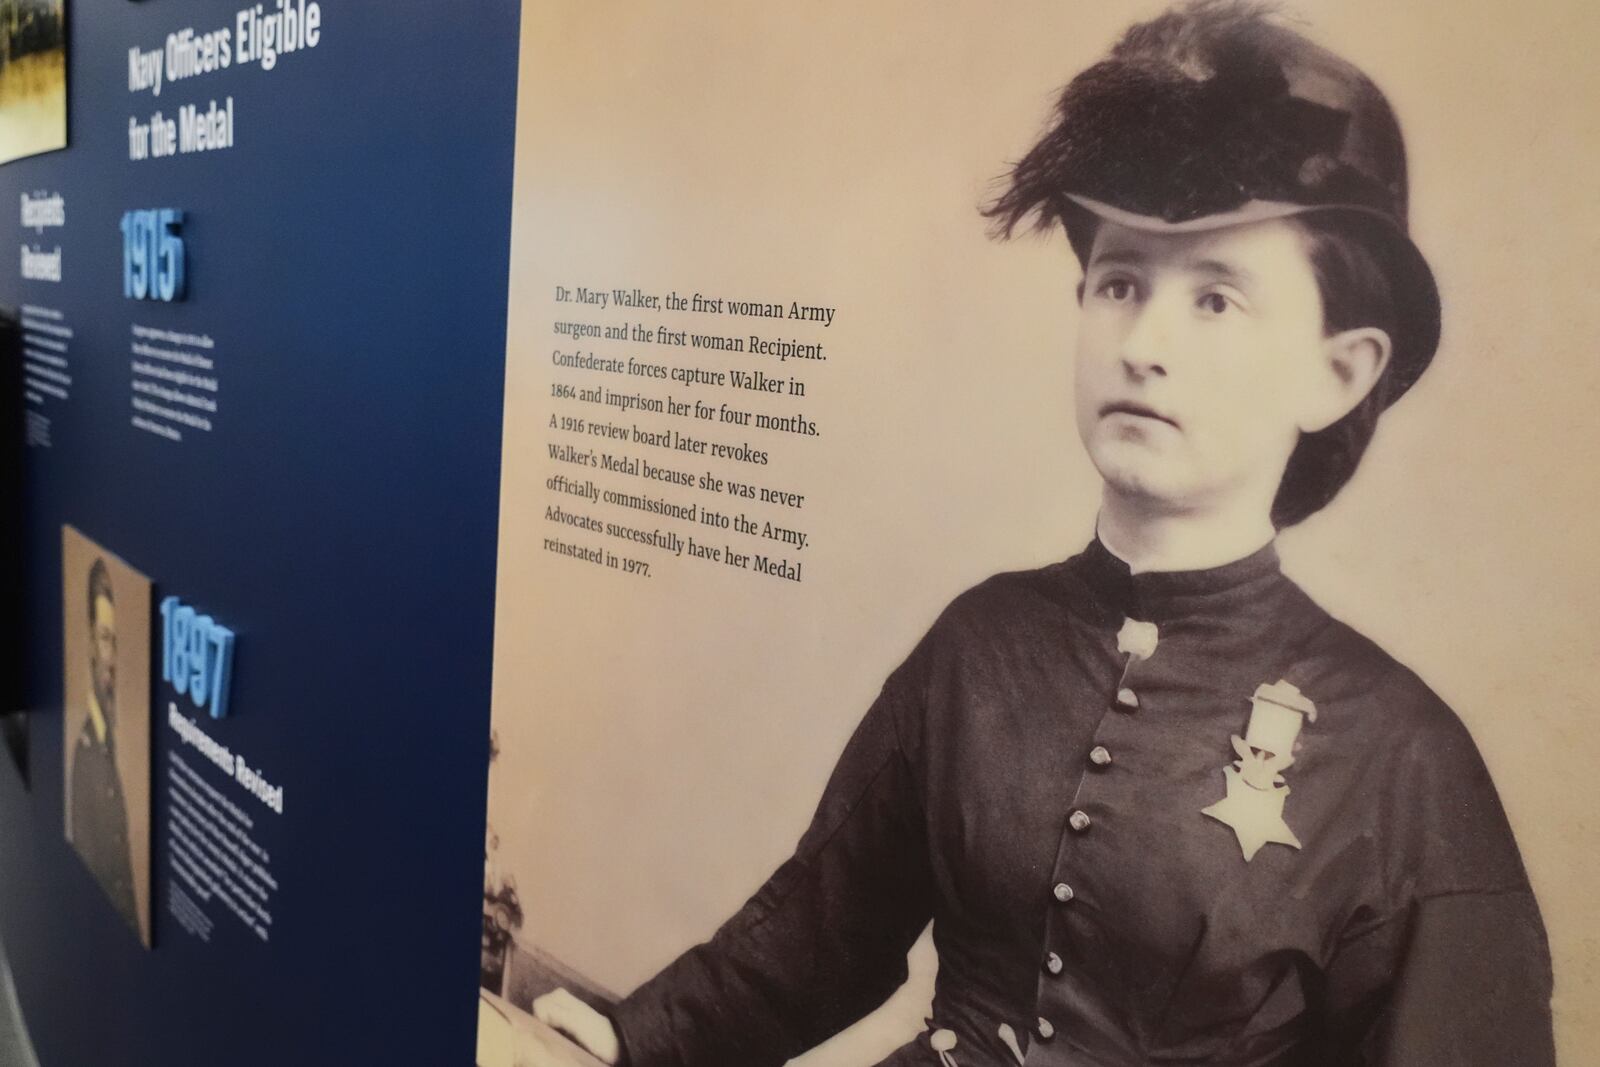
{"x":1200,"y":359}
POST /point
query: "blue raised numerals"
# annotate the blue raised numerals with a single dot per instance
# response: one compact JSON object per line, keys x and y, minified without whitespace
{"x":152,"y":254}
{"x":196,"y":656}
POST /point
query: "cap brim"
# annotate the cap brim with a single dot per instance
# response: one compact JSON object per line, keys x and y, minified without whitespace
{"x":1250,"y":211}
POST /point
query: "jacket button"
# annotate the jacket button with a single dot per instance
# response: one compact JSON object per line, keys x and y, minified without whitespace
{"x":1053,"y":964}
{"x":1062,"y":892}
{"x":1046,"y":1029}
{"x":1127,"y":699}
{"x":942,"y":1040}
{"x":1078,"y":820}
{"x":1100,"y":756}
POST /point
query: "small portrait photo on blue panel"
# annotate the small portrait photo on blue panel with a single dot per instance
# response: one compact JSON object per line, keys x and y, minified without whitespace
{"x":33,"y":77}
{"x":105,"y":718}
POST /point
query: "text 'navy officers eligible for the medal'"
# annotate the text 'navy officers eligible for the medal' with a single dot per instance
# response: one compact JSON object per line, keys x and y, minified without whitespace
{"x":259,"y":35}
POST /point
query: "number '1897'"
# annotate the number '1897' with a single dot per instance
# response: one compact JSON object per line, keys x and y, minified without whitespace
{"x":196,"y":656}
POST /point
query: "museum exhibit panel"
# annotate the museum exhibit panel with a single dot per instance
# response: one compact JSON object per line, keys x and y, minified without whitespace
{"x":260,"y":305}
{"x":610,"y":459}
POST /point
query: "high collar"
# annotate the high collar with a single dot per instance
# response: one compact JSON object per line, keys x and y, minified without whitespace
{"x":1245,"y":585}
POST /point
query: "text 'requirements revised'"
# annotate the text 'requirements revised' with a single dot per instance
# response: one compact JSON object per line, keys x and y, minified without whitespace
{"x":671,"y":417}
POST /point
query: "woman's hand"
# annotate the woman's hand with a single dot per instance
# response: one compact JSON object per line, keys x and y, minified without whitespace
{"x":562,"y":1011}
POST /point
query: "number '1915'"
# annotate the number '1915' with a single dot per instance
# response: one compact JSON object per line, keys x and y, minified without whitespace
{"x":152,"y":255}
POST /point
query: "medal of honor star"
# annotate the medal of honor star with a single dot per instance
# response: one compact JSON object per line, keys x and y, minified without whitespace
{"x":1158,"y":805}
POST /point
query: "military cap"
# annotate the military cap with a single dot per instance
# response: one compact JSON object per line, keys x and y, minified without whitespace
{"x":1216,"y":114}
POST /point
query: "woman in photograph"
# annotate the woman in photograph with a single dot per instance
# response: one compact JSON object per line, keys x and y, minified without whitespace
{"x":1158,"y":805}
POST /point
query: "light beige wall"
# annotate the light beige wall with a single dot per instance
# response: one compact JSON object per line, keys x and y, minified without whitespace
{"x":664,"y":740}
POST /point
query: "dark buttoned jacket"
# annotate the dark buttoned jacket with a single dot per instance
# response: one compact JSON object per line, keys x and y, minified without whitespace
{"x":1037,"y":792}
{"x":98,"y":814}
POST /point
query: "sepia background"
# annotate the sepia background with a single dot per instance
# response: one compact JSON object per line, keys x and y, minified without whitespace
{"x":664,"y":740}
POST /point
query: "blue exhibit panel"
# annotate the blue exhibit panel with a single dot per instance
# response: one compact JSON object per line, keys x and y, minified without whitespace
{"x":281,"y":314}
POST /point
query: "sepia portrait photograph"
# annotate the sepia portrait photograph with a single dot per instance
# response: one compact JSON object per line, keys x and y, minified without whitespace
{"x":1181,"y":646}
{"x":106,"y":723}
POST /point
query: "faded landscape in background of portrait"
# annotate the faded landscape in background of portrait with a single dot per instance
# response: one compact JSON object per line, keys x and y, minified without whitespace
{"x":33,"y":77}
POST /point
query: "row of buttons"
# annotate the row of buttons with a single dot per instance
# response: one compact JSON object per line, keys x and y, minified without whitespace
{"x":944,"y":1041}
{"x":1053,"y":963}
{"x":1100,"y":756}
{"x":1079,"y":820}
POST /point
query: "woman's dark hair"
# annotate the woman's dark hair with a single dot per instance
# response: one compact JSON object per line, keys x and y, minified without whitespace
{"x":1347,"y":256}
